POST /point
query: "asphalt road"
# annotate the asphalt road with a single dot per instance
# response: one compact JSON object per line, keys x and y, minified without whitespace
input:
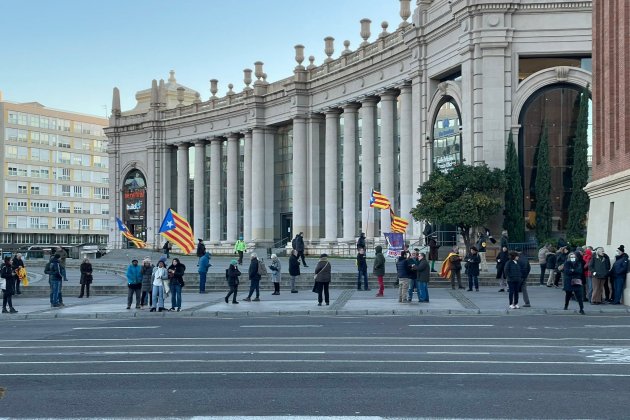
{"x":446,"y":367}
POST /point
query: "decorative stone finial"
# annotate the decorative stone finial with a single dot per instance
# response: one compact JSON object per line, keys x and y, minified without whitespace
{"x":116,"y":102}
{"x":171,"y":77}
{"x":162,"y":93}
{"x":180,"y":96}
{"x":311,"y":60}
{"x":346,"y":51}
{"x":299,"y":56}
{"x":405,"y":12}
{"x":230,"y":92}
{"x":264,"y":78}
{"x":384,"y":25}
{"x":247,"y":78}
{"x":155,"y":101}
{"x":329,"y":48}
{"x":365,"y":31}
{"x":258,"y":70}
{"x":214,"y":88}
{"x":197,"y":98}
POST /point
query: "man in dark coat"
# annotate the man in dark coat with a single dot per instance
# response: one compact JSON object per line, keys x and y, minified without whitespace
{"x":254,"y":279}
{"x":294,"y":269}
{"x":618,"y":272}
{"x":422,"y":276}
{"x":526,"y":268}
{"x":362,"y":270}
{"x":9,"y":280}
{"x":17,"y":263}
{"x":433,"y":252}
{"x":361,"y":241}
{"x":201,"y":249}
{"x":599,"y":267}
{"x":472,"y":261}
{"x":379,"y":270}
{"x":298,"y":245}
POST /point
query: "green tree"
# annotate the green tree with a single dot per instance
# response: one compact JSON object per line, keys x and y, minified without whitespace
{"x":467,"y":196}
{"x":513,"y":221}
{"x":578,"y":206}
{"x":543,"y":189}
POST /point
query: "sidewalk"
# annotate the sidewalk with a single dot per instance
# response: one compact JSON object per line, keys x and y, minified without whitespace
{"x":342,"y":303}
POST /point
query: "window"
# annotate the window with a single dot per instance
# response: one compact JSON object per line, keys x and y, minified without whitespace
{"x":10,"y":151}
{"x":63,"y":157}
{"x":11,"y":134}
{"x":100,"y":162}
{"x":35,"y":136}
{"x":63,"y":207}
{"x":23,"y":118}
{"x":77,"y":127}
{"x":104,"y":208}
{"x":13,"y":117}
{"x":86,"y":176}
{"x":35,"y":190}
{"x":24,"y":238}
{"x":63,"y":223}
{"x":78,"y":191}
{"x":65,"y":190}
{"x":43,"y":138}
{"x":63,"y":142}
{"x":530,"y":65}
{"x":63,"y":174}
{"x":77,"y":159}
{"x":40,"y":206}
{"x":100,"y":146}
{"x":40,"y":155}
{"x":12,"y":171}
{"x":43,"y":238}
{"x":85,"y":224}
{"x":33,"y":120}
{"x":447,"y":139}
{"x":22,"y":136}
{"x":22,"y":153}
{"x":22,"y":189}
{"x":101,"y":192}
{"x":16,"y":205}
{"x":44,"y":122}
{"x":12,"y":222}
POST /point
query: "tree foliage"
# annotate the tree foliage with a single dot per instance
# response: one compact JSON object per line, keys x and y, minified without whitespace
{"x":543,"y":189}
{"x":513,"y":221}
{"x":467,"y":196}
{"x":578,"y":206}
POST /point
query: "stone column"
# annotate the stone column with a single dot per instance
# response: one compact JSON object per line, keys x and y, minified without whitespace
{"x":270,"y":217}
{"x":258,"y":185}
{"x":182,"y":179}
{"x":314,"y":178}
{"x":299,"y":174}
{"x":387,"y":154}
{"x":232,"y":187}
{"x":417,"y":143}
{"x":350,"y":112}
{"x":331,"y":177}
{"x":215,"y":190}
{"x":368,"y":115}
{"x":406,"y":154}
{"x":199,"y":189}
{"x":247,"y":187}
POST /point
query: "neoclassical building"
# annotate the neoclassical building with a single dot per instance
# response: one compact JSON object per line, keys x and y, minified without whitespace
{"x":444,"y":85}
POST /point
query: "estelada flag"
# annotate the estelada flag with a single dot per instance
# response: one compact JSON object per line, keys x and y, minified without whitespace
{"x":379,"y":201}
{"x":398,"y":224}
{"x":177,"y":230}
{"x":139,"y":243}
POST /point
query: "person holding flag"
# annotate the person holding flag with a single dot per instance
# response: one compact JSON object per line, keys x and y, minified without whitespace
{"x":124,"y":230}
{"x":452,"y":267}
{"x":176,"y":229}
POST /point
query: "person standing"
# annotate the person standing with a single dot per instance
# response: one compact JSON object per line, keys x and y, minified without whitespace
{"x":298,"y":245}
{"x":572,"y":281}
{"x":455,"y":271}
{"x":201,"y":249}
{"x":361,"y":241}
{"x":166,"y":248}
{"x":403,"y":276}
{"x":8,"y":285}
{"x":599,"y":266}
{"x":86,"y":277}
{"x":134,"y":283}
{"x":379,"y":269}
{"x":504,"y":240}
{"x":526,"y":268}
{"x":294,"y":269}
{"x":433,"y":251}
{"x":239,"y":248}
{"x":275,"y":268}
{"x":422,"y":276}
{"x":472,"y":261}
{"x":480,"y":245}
{"x":63,"y":255}
{"x":588,"y":287}
{"x":160,"y":286}
{"x":146,"y":271}
{"x":362,"y":270}
{"x":231,"y":275}
{"x":618,"y":273}
{"x":542,"y":262}
{"x":176,"y":283}
{"x":412,"y":269}
{"x":502,"y":258}
{"x":204,"y":266}
{"x":514,"y":278}
{"x":322,"y":279}
{"x":17,"y":263}
{"x":551,"y":265}
{"x":54,"y":279}
{"x":561,"y":257}
{"x":254,"y":278}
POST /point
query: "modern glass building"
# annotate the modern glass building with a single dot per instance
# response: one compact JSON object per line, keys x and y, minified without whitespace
{"x":446,"y":85}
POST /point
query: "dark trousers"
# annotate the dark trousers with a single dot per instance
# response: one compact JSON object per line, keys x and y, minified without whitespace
{"x":323,"y":287}
{"x":473,"y":281}
{"x":362,"y":272}
{"x":232,"y":292}
{"x":578,"y":295}
{"x":146,"y":294}
{"x":130,"y":293}
{"x":17,"y":287}
{"x":609,"y":289}
{"x":276,"y":287}
{"x":202,"y":281}
{"x":513,"y":287}
{"x":619,"y":283}
{"x":240,"y":257}
{"x":6,"y":300}
{"x":85,"y":288}
{"x":300,"y":254}
{"x":254,"y":286}
{"x":543,"y":268}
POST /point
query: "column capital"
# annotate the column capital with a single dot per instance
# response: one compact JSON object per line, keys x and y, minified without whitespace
{"x":388,"y":95}
{"x":331,"y":111}
{"x":216,"y":139}
{"x":369,"y":101}
{"x":200,"y":142}
{"x":182,"y":145}
{"x":405,"y":88}
{"x":233,"y":136}
{"x":246,"y":133}
{"x":351,"y":107}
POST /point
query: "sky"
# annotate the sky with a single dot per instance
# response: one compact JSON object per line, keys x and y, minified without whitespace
{"x":69,"y":54}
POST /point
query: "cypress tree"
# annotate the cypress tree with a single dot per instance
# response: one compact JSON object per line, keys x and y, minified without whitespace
{"x":578,"y":206}
{"x":543,"y":189}
{"x":513,"y":221}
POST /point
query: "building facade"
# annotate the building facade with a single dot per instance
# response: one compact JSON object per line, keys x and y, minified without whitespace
{"x":55,"y":177}
{"x":443,"y":86}
{"x":610,"y":189}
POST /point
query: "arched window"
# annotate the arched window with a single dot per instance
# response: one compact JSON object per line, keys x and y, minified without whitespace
{"x":134,"y":193}
{"x":558,"y":107}
{"x":447,"y":137}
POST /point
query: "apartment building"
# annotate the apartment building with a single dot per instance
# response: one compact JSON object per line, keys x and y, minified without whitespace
{"x":55,"y":177}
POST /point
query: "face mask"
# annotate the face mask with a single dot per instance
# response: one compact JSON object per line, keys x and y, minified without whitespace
{"x":618,"y":252}
{"x":572,"y":258}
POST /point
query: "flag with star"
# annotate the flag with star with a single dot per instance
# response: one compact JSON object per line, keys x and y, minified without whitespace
{"x":379,"y":201}
{"x":177,"y":230}
{"x":124,"y":230}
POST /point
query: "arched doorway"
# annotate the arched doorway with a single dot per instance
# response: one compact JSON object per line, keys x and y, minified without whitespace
{"x":558,"y":106}
{"x":447,"y":136}
{"x":134,"y":194}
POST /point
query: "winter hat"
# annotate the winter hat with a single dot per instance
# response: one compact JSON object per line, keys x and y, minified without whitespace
{"x":233,"y":262}
{"x":622,"y":249}
{"x":146,"y":260}
{"x":163,"y":259}
{"x":323,"y":256}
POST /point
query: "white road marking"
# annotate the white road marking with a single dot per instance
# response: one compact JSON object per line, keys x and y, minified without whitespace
{"x":116,"y":328}
{"x":289,"y":352}
{"x":458,"y":352}
{"x":281,"y":326}
{"x":607,"y":326}
{"x":451,"y":325}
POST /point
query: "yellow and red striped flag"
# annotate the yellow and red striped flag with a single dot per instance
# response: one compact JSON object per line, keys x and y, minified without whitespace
{"x":398,"y":225}
{"x":379,"y":201}
{"x":139,"y":243}
{"x":177,"y":230}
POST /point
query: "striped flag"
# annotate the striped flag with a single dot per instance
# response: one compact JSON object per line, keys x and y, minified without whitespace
{"x":399,"y":224}
{"x":139,"y":243}
{"x":379,"y":201}
{"x":177,"y":230}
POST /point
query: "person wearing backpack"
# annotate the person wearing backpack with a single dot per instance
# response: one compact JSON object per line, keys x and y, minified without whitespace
{"x":254,"y":278}
{"x":8,"y":284}
{"x":53,"y":269}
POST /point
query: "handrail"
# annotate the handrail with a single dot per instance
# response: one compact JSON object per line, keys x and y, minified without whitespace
{"x":285,"y":240}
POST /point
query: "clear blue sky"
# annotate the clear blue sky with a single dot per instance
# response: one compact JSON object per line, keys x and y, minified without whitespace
{"x":69,"y":54}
